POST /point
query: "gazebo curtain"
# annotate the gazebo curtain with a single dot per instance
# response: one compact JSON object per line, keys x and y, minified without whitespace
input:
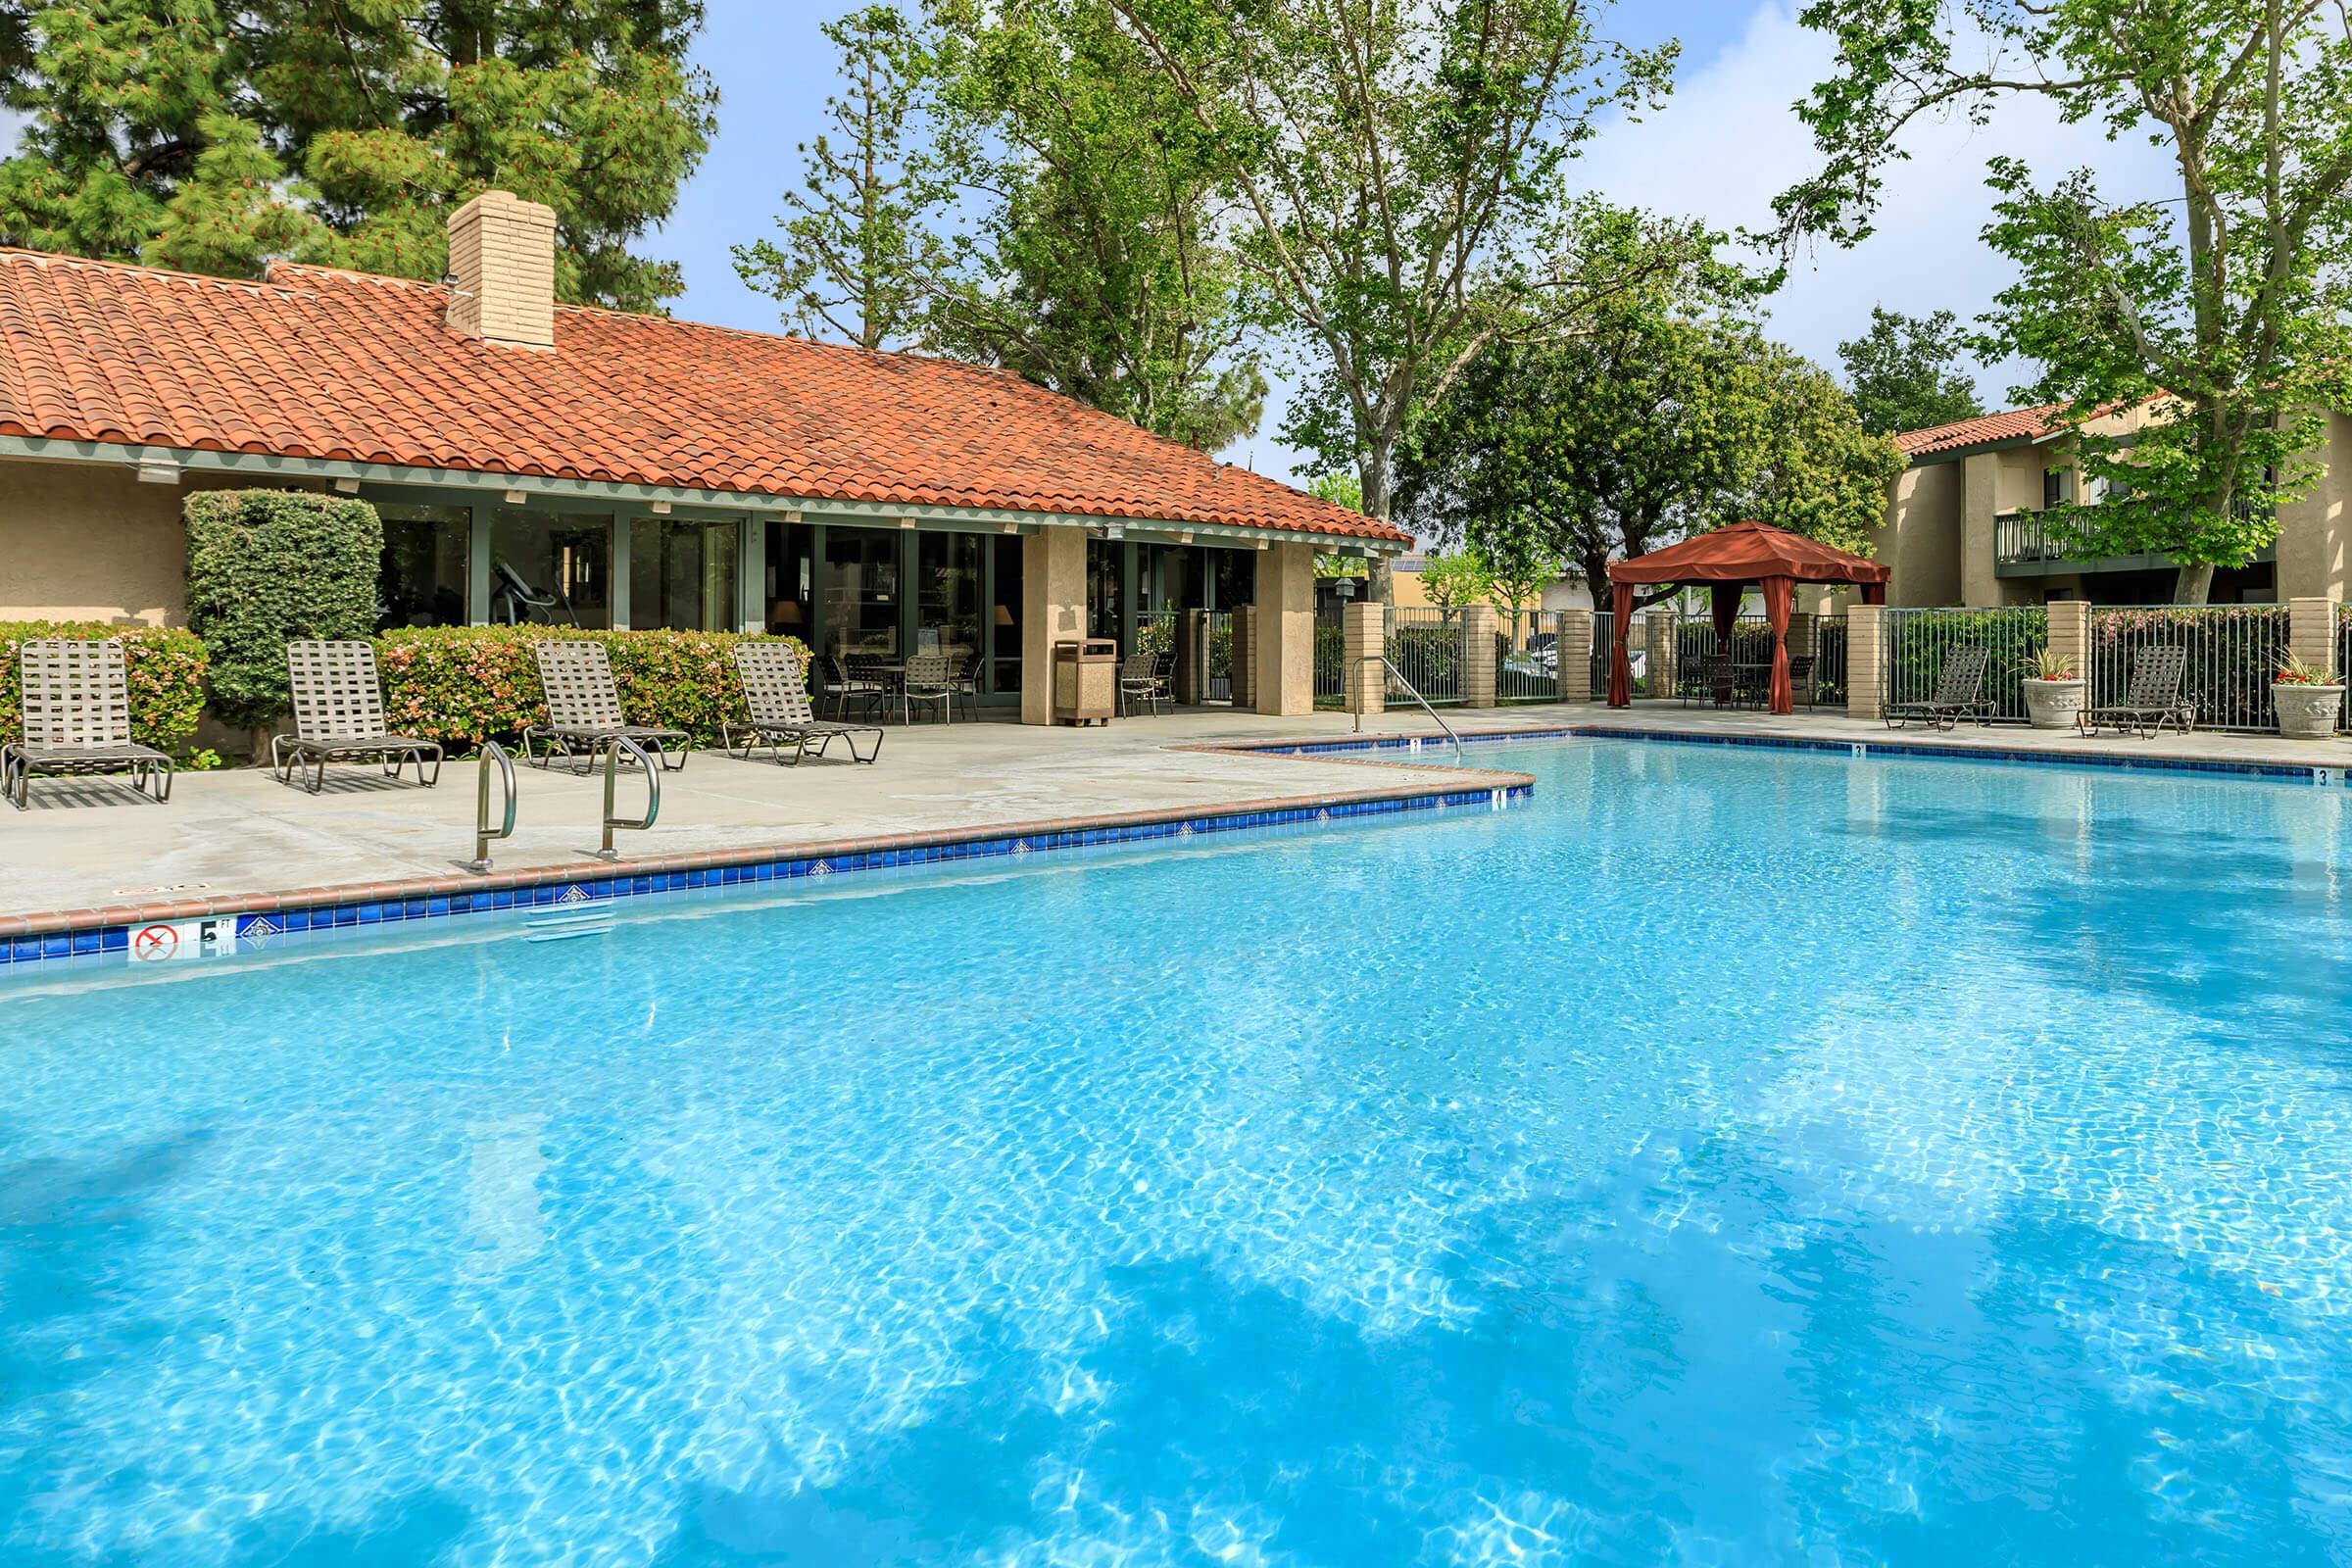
{"x":1621,"y":663}
{"x":1778,"y":592}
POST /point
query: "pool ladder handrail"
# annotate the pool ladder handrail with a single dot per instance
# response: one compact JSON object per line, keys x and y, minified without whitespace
{"x":492,"y":752}
{"x":653,"y":792}
{"x":1355,"y":681}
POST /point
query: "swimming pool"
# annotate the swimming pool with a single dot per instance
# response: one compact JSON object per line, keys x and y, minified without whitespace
{"x":1729,"y":1156}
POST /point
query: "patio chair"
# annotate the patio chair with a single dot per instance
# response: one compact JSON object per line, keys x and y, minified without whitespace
{"x":968,"y":685}
{"x":927,"y":680}
{"x":1690,"y":677}
{"x":76,"y":700}
{"x":1721,"y":678}
{"x":1959,"y":695}
{"x":583,"y":711}
{"x":846,"y":687}
{"x":339,"y":713}
{"x":1800,"y":678}
{"x":1143,"y":678}
{"x":777,"y":700}
{"x":2151,"y":701}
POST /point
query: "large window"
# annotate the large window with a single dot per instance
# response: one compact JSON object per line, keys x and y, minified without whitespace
{"x":682,"y":574}
{"x":1005,"y":611}
{"x":947,"y":610}
{"x":553,"y":568}
{"x":857,"y":581}
{"x":421,"y":578}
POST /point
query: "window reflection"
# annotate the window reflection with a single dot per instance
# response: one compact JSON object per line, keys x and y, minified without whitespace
{"x":421,"y":581}
{"x":551,"y":567}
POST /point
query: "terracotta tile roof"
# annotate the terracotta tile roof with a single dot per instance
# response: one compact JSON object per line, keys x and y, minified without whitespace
{"x":315,"y":362}
{"x":2006,"y":425}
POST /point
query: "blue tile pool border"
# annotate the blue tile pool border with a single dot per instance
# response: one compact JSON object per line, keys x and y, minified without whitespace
{"x":261,"y":922}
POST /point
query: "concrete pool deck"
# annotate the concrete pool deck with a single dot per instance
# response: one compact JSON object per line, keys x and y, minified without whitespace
{"x":90,"y":848}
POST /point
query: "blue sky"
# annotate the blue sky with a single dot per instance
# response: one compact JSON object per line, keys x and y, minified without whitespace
{"x":1725,"y":145}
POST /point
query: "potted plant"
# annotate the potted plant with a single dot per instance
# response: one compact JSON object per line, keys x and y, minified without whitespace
{"x":2305,"y":701}
{"x":2053,"y":690}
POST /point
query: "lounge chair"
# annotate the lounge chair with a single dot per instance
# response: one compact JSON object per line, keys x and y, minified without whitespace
{"x":1143,"y":678}
{"x":928,"y":679}
{"x":780,"y":710}
{"x":339,"y":713}
{"x":1959,"y":694}
{"x":2151,"y":701}
{"x":76,"y":698}
{"x":583,"y":711}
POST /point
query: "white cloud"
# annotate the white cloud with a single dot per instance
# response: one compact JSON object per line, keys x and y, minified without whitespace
{"x":1730,"y":140}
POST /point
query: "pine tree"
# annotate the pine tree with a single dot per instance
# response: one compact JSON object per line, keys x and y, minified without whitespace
{"x":212,"y":136}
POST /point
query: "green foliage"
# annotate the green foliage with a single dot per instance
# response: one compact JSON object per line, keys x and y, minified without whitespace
{"x":1011,"y":184}
{"x":463,"y":685}
{"x":2235,"y":651}
{"x":1904,"y":373}
{"x":1455,"y":577}
{"x":163,"y":667}
{"x":267,"y":567}
{"x":213,"y":136}
{"x":1669,"y":414}
{"x":2223,"y":308}
{"x":1399,"y":174}
{"x":853,"y":252}
{"x":1102,"y":266}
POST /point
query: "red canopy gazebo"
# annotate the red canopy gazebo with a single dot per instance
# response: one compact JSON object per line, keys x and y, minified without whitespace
{"x":1728,"y":560}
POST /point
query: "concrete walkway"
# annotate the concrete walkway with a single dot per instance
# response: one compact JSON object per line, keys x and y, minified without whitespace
{"x":90,"y":844}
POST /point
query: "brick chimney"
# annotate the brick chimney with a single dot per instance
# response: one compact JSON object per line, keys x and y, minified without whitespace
{"x":502,"y":259}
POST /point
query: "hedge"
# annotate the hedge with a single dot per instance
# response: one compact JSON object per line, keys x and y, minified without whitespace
{"x":166,"y":668}
{"x":267,"y":567}
{"x":463,"y":685}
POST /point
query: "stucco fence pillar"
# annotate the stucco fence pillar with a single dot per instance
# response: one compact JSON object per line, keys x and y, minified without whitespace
{"x":1479,"y":659}
{"x":1572,"y":664}
{"x":1364,"y":637}
{"x":2070,"y":633}
{"x":1864,"y":630}
{"x":1657,"y":680}
{"x":1283,"y":630}
{"x":2310,"y":633}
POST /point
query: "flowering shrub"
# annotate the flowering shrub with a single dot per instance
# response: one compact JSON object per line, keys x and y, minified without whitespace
{"x":164,"y":667}
{"x":463,"y":685}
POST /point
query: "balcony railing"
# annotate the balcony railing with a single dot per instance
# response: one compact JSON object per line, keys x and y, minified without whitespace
{"x":2023,"y":536}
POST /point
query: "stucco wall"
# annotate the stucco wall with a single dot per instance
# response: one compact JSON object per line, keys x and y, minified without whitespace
{"x":1920,"y":544}
{"x":86,"y":541}
{"x":2311,"y":530}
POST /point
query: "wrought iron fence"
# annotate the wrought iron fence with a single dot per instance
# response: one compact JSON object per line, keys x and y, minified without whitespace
{"x":1527,"y":655}
{"x":1637,"y":648}
{"x":1428,"y":649}
{"x":1915,"y":643}
{"x":1331,"y":660}
{"x":2234,"y":650}
{"x":1156,"y":632}
{"x":1828,"y":662}
{"x":1216,"y":683}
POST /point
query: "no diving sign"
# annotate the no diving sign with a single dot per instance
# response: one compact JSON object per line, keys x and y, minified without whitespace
{"x":169,"y":939}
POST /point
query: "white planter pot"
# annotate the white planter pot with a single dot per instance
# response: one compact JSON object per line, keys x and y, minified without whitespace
{"x":2053,"y":703}
{"x":2307,"y":713}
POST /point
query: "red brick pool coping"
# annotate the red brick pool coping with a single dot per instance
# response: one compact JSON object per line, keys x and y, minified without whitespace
{"x":57,"y":921}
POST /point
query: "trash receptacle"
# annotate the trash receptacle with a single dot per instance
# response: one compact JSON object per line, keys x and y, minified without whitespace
{"x":1086,"y":680}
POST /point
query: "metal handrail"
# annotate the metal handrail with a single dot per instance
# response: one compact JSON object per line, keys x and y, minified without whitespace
{"x":492,"y":752}
{"x":653,"y":792}
{"x":1355,"y":681}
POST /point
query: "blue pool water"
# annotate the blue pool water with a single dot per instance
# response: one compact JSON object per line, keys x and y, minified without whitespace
{"x":1729,"y":1158}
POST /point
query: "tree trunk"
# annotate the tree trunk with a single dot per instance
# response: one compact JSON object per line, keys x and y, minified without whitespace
{"x":1372,"y":478}
{"x":2194,"y":585}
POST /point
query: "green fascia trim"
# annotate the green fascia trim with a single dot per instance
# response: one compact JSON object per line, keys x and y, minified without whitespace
{"x":540,"y":489}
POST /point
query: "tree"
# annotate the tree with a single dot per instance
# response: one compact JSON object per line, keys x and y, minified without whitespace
{"x":1670,"y":415}
{"x":1098,"y":265}
{"x":1455,"y":577}
{"x":211,"y":136}
{"x":853,"y":249}
{"x":1904,"y":372}
{"x":1399,"y":170}
{"x":2222,"y":311}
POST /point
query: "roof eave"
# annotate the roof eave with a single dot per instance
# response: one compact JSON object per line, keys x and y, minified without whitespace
{"x":626,"y":493}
